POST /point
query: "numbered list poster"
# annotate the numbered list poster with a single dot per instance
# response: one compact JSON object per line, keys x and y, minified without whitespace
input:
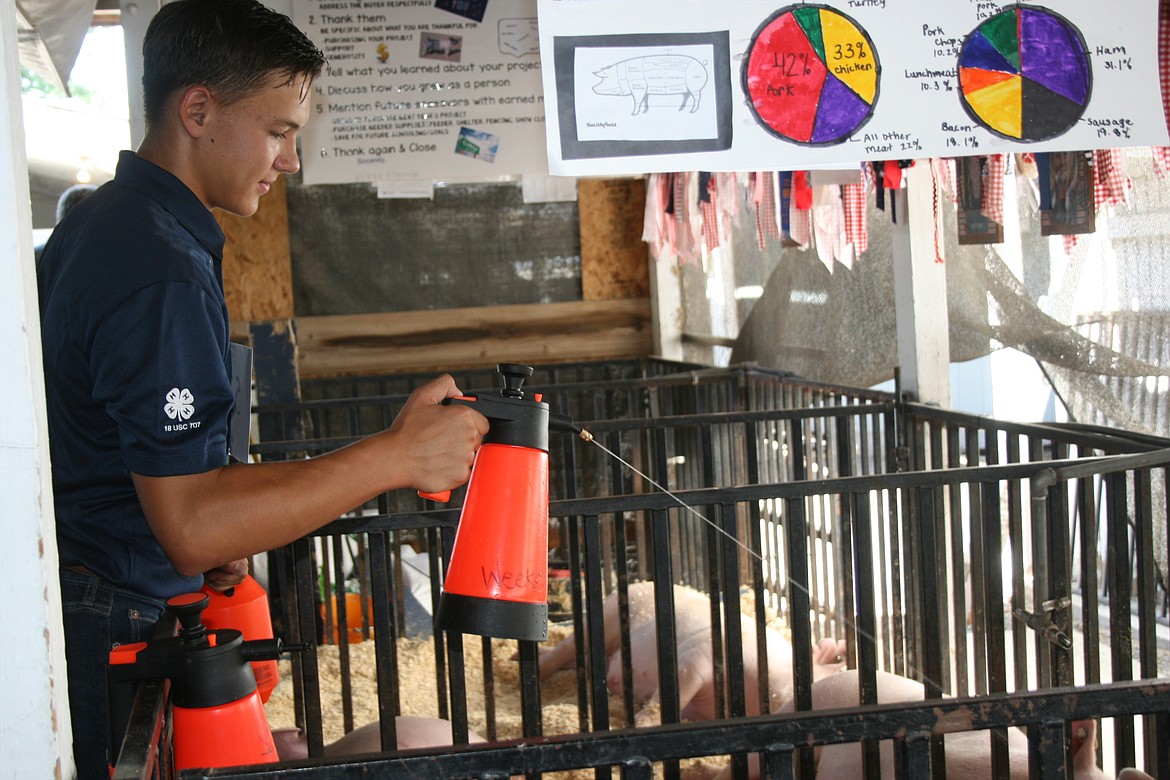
{"x":423,"y":89}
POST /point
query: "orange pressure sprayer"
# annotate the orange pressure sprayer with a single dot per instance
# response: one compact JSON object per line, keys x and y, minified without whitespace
{"x":244,"y":607}
{"x":496,"y":582}
{"x":218,"y":718}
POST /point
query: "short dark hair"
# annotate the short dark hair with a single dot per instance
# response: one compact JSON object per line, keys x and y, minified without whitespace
{"x":71,"y":197}
{"x":231,"y":46}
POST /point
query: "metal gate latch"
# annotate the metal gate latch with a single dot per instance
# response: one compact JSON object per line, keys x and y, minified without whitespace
{"x":1043,"y":623}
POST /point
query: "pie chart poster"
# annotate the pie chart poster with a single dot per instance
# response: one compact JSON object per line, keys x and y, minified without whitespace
{"x":736,"y":85}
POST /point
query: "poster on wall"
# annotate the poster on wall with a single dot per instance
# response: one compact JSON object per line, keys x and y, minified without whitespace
{"x":669,"y":85}
{"x":423,"y":89}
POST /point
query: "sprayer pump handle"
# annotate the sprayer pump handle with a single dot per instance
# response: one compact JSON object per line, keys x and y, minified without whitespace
{"x":514,"y":376}
{"x":188,"y":609}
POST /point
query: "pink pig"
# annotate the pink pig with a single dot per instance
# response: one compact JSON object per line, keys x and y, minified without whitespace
{"x":968,"y":753}
{"x":412,"y":732}
{"x":693,"y":647}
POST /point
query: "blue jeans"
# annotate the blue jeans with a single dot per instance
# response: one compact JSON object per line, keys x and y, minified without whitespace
{"x":98,"y":617}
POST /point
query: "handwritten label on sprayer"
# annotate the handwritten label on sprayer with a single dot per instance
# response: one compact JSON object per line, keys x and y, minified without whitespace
{"x":497,"y":580}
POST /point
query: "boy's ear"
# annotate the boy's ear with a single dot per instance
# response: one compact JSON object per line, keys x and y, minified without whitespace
{"x":194,"y":107}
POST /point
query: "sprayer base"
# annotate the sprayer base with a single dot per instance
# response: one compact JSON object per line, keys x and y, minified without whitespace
{"x":492,"y":617}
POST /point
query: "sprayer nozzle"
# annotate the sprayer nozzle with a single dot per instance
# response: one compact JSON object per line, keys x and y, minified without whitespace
{"x":585,"y":435}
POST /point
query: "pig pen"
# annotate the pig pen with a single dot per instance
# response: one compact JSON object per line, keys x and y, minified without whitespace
{"x":888,"y":525}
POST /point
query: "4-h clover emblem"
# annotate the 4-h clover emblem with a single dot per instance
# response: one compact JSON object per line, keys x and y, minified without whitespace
{"x":180,"y":404}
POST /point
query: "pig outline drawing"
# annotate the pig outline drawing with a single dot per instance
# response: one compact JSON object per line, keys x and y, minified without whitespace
{"x":654,"y":74}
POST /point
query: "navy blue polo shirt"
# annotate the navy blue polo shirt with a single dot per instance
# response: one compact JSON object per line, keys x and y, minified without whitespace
{"x":134,"y":329}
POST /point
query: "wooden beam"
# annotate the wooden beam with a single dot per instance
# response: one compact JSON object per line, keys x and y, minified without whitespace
{"x":472,"y":337}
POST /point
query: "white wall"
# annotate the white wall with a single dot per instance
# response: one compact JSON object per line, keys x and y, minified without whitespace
{"x":35,"y":737}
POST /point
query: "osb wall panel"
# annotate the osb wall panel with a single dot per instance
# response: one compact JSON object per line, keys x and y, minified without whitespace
{"x":614,"y":259}
{"x":257,"y":272}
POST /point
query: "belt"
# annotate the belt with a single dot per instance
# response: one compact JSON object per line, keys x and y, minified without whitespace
{"x":77,"y":567}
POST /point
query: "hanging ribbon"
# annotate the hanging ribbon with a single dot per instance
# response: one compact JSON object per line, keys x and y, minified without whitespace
{"x":785,"y":203}
{"x":1044,"y":180}
{"x":802,"y":194}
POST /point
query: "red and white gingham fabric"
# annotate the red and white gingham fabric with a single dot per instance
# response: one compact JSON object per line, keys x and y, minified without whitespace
{"x":943,"y":169}
{"x":690,"y":225}
{"x":756,"y":195}
{"x":1111,"y":182}
{"x":764,"y":197}
{"x":710,"y":209}
{"x":667,"y":218}
{"x":994,"y":167}
{"x":1164,"y":55}
{"x":1162,"y":154}
{"x":689,"y":217}
{"x":728,"y":199}
{"x":856,"y":230}
{"x":664,"y":189}
{"x":1161,"y":161}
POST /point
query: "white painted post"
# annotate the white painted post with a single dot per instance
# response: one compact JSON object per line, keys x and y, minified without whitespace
{"x":920,"y":293}
{"x":136,"y":16}
{"x":666,"y":313}
{"x":35,"y":736}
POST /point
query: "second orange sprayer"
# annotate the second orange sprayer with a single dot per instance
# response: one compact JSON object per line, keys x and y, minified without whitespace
{"x":496,"y":582}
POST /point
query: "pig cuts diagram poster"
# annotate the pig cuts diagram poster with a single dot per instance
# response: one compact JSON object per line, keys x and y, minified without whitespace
{"x":423,"y":90}
{"x":733,"y":85}
{"x":645,"y":77}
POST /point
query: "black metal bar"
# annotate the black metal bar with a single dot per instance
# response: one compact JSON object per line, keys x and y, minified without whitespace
{"x":937,"y":571}
{"x":913,"y":757}
{"x":733,"y":631}
{"x":666,"y":622}
{"x":796,"y":544}
{"x":1046,"y":749}
{"x":931,"y":669}
{"x":1016,"y":539}
{"x":865,"y":625}
{"x":576,"y":596}
{"x":441,"y":543}
{"x":756,"y":564}
{"x":992,"y":616}
{"x":489,"y":688}
{"x":595,"y":632}
{"x":1120,"y":633}
{"x":385,"y":648}
{"x":777,"y":764}
{"x":1147,"y":601}
{"x":1090,"y":586}
{"x":982,"y":610}
{"x":342,"y":633}
{"x":457,"y":681}
{"x":595,"y":671}
{"x":532,"y":722}
{"x":719,"y":583}
{"x":306,"y":588}
{"x":1060,"y":579}
{"x":637,"y":768}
